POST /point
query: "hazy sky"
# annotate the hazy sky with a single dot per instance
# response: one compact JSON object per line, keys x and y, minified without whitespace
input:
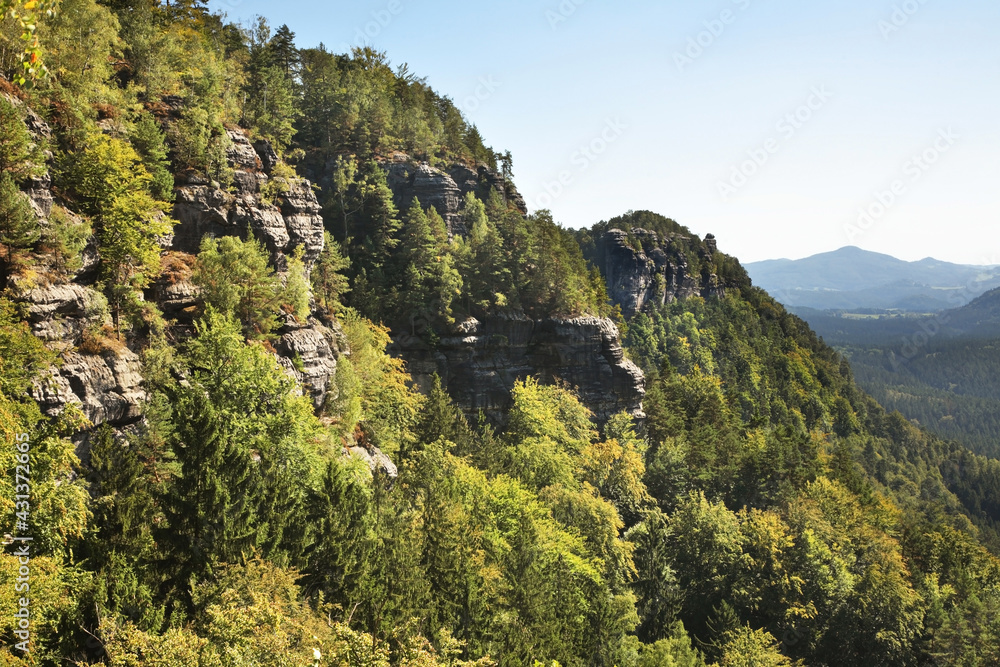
{"x":770,"y":123}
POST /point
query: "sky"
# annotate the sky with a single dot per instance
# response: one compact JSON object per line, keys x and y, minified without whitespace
{"x":786,"y":128}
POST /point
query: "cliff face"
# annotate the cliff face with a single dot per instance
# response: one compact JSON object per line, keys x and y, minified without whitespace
{"x":642,"y":267}
{"x":480,"y":362}
{"x":444,"y":190}
{"x":283,"y":221}
{"x":105,"y":379}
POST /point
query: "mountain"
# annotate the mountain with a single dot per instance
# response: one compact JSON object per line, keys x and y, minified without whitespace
{"x":852,"y":279}
{"x":289,"y":376}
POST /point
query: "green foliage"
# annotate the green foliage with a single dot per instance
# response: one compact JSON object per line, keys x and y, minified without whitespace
{"x":431,"y":280}
{"x":149,"y":142}
{"x":241,"y":436}
{"x":270,"y":100}
{"x":64,"y":239}
{"x":355,"y":104}
{"x":82,"y":44}
{"x":296,"y":289}
{"x":18,"y":222}
{"x":20,"y":157}
{"x":236,"y":280}
{"x":26,"y":15}
{"x":745,"y":647}
{"x":329,"y":283}
{"x":112,"y":185}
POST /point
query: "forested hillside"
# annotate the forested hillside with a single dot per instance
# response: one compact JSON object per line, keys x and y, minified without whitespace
{"x":215,"y":454}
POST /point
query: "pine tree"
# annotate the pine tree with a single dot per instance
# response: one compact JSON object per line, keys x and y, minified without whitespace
{"x":149,"y":142}
{"x":283,"y":52}
{"x":20,"y":157}
{"x":329,"y":283}
{"x":209,"y":514}
{"x":431,"y":281}
{"x":19,"y":227}
{"x":441,"y":419}
{"x":341,"y":522}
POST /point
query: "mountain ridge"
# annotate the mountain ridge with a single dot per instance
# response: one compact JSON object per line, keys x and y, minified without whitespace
{"x":853,"y":278}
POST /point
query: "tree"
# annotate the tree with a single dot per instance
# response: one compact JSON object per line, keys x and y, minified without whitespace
{"x":236,"y":279}
{"x":441,"y":419}
{"x":429,"y":273}
{"x":480,"y":257}
{"x":745,"y":647}
{"x":19,"y":227}
{"x":283,"y":52}
{"x":269,"y":101}
{"x":150,"y":142}
{"x":113,"y":186}
{"x":328,"y":280}
{"x":27,"y":14}
{"x":240,"y":433}
{"x":295,"y":294}
{"x":20,"y":157}
{"x":341,"y":525}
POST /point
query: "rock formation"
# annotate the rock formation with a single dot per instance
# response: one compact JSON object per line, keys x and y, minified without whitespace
{"x":443,"y":190}
{"x":105,"y":379}
{"x":480,"y":362}
{"x":642,"y":268}
{"x":288,"y":222}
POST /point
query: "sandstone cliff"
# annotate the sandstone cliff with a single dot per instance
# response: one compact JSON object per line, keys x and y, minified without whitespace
{"x":643,"y":267}
{"x":480,"y":362}
{"x":105,"y":379}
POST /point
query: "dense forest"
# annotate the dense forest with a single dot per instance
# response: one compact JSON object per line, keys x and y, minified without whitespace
{"x":764,"y":512}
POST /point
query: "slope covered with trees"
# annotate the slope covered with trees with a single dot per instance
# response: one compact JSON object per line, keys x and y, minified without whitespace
{"x":766,"y":511}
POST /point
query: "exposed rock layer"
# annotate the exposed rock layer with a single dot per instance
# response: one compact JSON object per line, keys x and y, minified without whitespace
{"x":652,"y":271}
{"x":480,"y":363}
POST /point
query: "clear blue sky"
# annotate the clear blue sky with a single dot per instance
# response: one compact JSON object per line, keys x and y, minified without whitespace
{"x":888,"y":80}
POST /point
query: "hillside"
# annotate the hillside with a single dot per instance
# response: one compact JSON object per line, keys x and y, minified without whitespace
{"x":939,"y":371}
{"x":289,"y":377}
{"x":854,"y":279}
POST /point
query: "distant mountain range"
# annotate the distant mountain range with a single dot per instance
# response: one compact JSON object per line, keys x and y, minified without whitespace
{"x":853,"y":279}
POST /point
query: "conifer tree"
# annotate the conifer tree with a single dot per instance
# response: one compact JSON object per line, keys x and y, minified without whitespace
{"x":341,"y":522}
{"x":19,"y":227}
{"x":441,"y":419}
{"x":429,"y":273}
{"x":329,"y":283}
{"x":149,"y":142}
{"x":283,"y":52}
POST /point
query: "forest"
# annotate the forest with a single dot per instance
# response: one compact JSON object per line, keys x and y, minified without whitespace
{"x":764,"y":512}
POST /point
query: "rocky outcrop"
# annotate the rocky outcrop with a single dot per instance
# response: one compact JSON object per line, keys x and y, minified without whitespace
{"x":309,"y":354}
{"x":283,"y":213}
{"x":432,"y":187}
{"x":641,"y":267}
{"x":60,"y":313}
{"x":444,"y":190}
{"x":107,"y":387}
{"x":481,"y":361}
{"x":482,"y":180}
{"x":38,"y":187}
{"x":375,"y":459}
